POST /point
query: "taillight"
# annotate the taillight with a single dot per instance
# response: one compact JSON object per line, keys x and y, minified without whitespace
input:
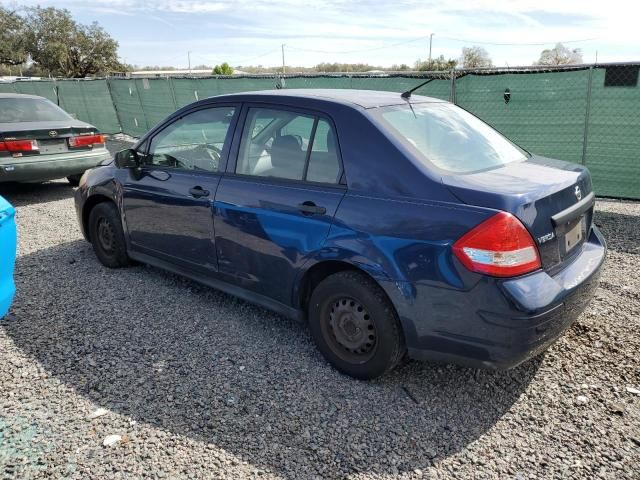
{"x":500,"y":246}
{"x":18,"y":147}
{"x":86,"y":141}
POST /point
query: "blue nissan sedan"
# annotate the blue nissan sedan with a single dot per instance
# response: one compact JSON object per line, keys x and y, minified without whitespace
{"x":392,"y":224}
{"x":7,"y":255}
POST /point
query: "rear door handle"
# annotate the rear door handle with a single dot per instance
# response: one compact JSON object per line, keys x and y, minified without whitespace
{"x":310,"y":208}
{"x":198,"y":192}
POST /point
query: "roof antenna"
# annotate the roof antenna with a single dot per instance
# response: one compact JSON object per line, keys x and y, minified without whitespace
{"x":408,"y":93}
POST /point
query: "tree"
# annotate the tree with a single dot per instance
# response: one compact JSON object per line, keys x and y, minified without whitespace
{"x":475,"y":57}
{"x":560,"y":55}
{"x":223,"y":69}
{"x":61,"y":47}
{"x":12,"y":44}
{"x":436,"y":64}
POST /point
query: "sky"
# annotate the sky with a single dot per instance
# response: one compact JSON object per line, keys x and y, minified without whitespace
{"x":251,"y":32}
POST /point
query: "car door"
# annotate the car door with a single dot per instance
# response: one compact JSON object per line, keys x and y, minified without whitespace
{"x":168,"y":201}
{"x":275,"y":205}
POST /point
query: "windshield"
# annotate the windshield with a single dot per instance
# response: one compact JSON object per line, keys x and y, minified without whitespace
{"x":448,"y":137}
{"x":15,"y":110}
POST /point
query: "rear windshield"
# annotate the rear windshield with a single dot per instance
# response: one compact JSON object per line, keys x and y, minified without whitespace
{"x":15,"y":110}
{"x":448,"y":137}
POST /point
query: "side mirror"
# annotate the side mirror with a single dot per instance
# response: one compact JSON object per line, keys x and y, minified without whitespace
{"x":127,"y":159}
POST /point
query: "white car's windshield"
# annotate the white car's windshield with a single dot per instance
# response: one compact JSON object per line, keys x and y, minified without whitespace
{"x":16,"y":110}
{"x":448,"y":137}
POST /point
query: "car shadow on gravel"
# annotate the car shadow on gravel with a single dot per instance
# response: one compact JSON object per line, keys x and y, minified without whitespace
{"x":191,"y":361}
{"x":23,"y":194}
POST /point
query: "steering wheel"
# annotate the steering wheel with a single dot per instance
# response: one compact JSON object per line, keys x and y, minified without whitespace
{"x":213,"y":152}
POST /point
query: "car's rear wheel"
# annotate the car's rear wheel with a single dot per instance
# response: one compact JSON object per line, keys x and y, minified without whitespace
{"x":74,"y":180}
{"x":107,"y":236}
{"x":355,"y":325}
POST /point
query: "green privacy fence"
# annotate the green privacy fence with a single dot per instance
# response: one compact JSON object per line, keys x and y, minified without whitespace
{"x":584,"y":114}
{"x":87,"y":100}
{"x":143,"y":102}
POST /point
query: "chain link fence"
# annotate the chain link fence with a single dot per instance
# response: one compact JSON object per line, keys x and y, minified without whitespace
{"x":588,"y":114}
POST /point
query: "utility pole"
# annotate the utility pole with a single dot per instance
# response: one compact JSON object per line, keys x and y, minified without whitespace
{"x":430,"y":42}
{"x":189,"y":60}
{"x":283,"y":67}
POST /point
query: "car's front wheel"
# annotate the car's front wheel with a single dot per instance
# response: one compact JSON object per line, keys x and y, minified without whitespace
{"x":355,"y":325}
{"x":107,"y":236}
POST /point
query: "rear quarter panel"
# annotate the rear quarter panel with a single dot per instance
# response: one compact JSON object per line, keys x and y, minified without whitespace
{"x":403,"y":240}
{"x":405,"y":245}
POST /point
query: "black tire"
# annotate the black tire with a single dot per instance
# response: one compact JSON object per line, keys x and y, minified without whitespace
{"x":107,"y":236}
{"x":355,"y":326}
{"x":74,"y":180}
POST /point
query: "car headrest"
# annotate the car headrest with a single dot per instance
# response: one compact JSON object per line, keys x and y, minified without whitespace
{"x":286,"y":151}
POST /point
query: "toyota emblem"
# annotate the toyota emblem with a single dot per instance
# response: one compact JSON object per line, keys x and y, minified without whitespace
{"x":53,"y":133}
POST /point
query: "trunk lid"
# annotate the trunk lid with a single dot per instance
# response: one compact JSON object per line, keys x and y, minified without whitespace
{"x":51,"y":136}
{"x":552,"y":198}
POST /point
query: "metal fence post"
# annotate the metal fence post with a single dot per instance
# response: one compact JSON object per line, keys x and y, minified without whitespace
{"x":115,"y":105}
{"x":587,"y":113}
{"x":452,"y":91}
{"x":173,"y":92}
{"x":144,"y":115}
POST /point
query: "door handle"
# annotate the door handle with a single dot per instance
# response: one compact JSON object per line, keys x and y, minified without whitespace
{"x":310,"y":208}
{"x":198,"y":192}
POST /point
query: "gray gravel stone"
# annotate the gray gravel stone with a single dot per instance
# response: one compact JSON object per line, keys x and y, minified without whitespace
{"x":164,"y":355}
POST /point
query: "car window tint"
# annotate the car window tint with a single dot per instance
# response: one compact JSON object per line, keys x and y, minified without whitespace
{"x":194,"y":142}
{"x":277,"y":148}
{"x":324,"y":165}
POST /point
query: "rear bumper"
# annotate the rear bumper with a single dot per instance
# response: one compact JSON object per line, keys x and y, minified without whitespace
{"x":498,"y":323}
{"x":49,"y":167}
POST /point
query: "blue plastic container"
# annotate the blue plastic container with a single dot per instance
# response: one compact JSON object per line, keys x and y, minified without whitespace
{"x":7,"y":255}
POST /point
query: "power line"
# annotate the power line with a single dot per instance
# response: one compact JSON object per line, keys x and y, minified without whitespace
{"x":392,"y":45}
{"x":517,"y":44}
{"x":233,"y":62}
{"x":338,"y":52}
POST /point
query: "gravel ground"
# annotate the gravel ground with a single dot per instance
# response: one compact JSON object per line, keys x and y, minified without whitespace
{"x":197,"y":384}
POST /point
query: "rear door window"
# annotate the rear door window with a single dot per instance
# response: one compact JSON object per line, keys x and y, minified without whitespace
{"x":324,"y":165}
{"x":288,"y":145}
